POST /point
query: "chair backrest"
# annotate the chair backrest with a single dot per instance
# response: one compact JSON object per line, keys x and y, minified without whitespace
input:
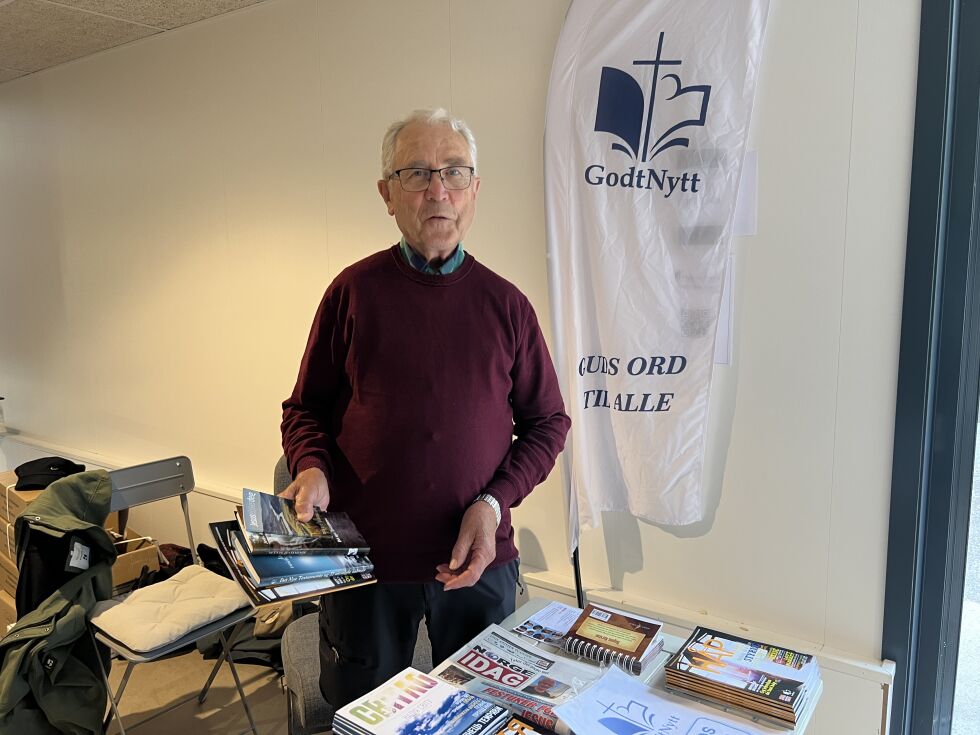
{"x":147,"y":483}
{"x":281,"y":477}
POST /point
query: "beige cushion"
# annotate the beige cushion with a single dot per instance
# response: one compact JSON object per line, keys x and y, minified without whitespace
{"x":163,"y":612}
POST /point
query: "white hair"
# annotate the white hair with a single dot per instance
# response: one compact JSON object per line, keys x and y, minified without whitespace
{"x":437,"y":116}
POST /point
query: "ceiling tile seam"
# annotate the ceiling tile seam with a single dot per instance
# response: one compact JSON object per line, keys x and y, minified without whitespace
{"x":102,"y":15}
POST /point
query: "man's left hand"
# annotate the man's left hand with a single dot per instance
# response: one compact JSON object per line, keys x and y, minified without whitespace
{"x":476,"y":542}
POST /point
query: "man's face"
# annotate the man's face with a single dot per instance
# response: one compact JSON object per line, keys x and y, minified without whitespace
{"x":435,"y":219}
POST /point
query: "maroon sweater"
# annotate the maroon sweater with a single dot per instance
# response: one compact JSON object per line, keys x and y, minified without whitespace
{"x":417,"y":393}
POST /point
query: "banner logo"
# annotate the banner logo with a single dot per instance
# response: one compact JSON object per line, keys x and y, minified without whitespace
{"x":623,"y":110}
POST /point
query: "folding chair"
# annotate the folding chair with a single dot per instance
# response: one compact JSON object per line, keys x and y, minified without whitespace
{"x":148,"y":483}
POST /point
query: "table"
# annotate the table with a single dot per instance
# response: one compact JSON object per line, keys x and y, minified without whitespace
{"x":654,"y":675}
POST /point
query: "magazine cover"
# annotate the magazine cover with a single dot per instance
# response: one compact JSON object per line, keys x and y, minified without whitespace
{"x":517,"y":726}
{"x":499,"y":666}
{"x":776,"y":673}
{"x":270,"y":526}
{"x":413,"y":703}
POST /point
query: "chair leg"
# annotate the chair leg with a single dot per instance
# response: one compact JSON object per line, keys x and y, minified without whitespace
{"x":214,"y":672}
{"x":220,"y":660}
{"x":226,"y":643}
{"x":113,"y":698}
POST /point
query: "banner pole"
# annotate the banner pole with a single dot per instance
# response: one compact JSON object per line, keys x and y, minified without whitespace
{"x":579,"y":591}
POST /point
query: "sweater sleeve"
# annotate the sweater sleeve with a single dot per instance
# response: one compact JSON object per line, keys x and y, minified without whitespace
{"x":307,"y":413}
{"x":540,"y":421}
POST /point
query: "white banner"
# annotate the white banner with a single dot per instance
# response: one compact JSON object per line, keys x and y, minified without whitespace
{"x":648,"y":114}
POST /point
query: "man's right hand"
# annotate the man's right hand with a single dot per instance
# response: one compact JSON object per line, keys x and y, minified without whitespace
{"x":309,"y":489}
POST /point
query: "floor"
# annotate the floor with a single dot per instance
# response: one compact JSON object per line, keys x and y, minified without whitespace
{"x":966,"y":706}
{"x":154,"y":686}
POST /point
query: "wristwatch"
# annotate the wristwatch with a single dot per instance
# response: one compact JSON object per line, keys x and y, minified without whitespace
{"x":491,"y":501}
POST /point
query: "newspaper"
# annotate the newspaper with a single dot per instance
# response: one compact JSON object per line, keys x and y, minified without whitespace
{"x":499,"y":666}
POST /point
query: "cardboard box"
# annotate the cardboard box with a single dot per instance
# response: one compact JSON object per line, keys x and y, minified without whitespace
{"x":134,"y":553}
{"x":13,"y":502}
{"x":8,"y":612}
{"x":7,"y":546}
{"x":8,"y":576}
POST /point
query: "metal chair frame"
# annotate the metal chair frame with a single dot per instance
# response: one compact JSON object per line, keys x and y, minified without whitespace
{"x":147,"y":483}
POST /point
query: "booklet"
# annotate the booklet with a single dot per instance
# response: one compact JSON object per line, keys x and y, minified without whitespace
{"x":609,"y":636}
{"x":550,"y":623}
{"x":620,"y":703}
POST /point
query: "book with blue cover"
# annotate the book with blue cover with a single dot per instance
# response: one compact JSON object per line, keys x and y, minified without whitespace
{"x":224,"y":533}
{"x":266,"y":570}
{"x":270,"y":526}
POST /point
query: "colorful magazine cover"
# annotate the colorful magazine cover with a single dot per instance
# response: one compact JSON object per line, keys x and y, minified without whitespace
{"x":413,"y":703}
{"x":270,"y":526}
{"x":775,"y":673}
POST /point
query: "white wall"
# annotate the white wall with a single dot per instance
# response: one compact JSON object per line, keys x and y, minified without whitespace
{"x":171,"y":211}
{"x":799,"y":463}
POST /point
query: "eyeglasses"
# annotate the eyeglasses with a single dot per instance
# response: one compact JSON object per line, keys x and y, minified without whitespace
{"x":417,"y":179}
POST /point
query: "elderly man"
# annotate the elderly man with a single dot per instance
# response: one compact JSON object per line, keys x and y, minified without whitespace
{"x":426,"y":408}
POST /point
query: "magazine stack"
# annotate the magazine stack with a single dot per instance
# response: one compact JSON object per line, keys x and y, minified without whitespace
{"x":413,"y":703}
{"x":275,"y":557}
{"x":759,"y":680}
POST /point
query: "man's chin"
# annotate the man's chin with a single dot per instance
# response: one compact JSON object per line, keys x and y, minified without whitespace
{"x":439,"y":239}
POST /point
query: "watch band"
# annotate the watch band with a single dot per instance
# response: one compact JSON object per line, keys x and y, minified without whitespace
{"x":492,"y":502}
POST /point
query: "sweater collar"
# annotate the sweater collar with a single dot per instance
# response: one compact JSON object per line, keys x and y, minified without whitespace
{"x":419,"y":263}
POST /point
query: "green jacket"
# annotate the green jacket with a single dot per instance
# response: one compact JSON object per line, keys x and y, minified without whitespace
{"x":50,"y":680}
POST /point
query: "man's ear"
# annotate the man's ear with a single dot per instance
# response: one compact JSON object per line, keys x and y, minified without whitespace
{"x":386,"y":195}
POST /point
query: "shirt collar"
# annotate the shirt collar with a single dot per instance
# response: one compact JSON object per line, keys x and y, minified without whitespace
{"x":420,"y":264}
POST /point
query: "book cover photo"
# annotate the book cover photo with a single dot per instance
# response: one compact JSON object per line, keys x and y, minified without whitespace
{"x":270,"y":526}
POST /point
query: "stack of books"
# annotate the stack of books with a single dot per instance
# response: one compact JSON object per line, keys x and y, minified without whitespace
{"x":275,"y":557}
{"x":608,"y":636}
{"x":759,"y":680}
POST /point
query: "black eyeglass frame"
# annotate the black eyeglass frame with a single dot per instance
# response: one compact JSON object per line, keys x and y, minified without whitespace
{"x":442,"y":178}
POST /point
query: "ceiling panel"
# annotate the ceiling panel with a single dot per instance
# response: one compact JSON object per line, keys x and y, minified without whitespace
{"x":169,"y":14}
{"x":35,"y":34}
{"x":7,"y":74}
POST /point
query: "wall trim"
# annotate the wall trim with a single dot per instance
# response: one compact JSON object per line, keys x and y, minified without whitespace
{"x":92,"y":458}
{"x":679,"y":621}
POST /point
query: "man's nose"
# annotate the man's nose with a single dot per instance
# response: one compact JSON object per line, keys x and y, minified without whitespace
{"x":436,"y":190}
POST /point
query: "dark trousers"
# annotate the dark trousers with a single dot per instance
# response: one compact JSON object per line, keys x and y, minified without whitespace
{"x":367,"y":634}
